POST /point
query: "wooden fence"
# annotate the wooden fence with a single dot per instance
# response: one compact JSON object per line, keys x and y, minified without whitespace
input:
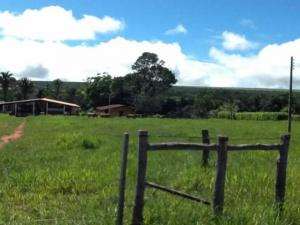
{"x":221,"y":148}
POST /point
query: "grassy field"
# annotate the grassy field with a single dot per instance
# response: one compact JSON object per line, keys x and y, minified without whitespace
{"x":65,"y":171}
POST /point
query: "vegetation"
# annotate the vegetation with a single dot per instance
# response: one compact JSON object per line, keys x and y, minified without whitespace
{"x":26,"y":87}
{"x":70,"y":176}
{"x":150,"y":89}
{"x":6,"y":81}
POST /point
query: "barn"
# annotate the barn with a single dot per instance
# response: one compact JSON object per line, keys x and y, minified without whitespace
{"x":115,"y":110}
{"x":39,"y":106}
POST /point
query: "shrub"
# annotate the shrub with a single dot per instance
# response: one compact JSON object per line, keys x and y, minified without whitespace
{"x":225,"y":115}
{"x":88,"y":144}
{"x":261,"y":116}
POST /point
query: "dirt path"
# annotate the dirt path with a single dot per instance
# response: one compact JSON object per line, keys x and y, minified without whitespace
{"x":18,"y":133}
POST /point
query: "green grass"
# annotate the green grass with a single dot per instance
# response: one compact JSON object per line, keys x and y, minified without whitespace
{"x":65,"y":171}
{"x":8,"y":124}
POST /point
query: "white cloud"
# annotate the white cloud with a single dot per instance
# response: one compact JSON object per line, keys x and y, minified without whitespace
{"x":23,"y":53}
{"x":50,"y":60}
{"x":233,"y":41}
{"x":268,"y":68}
{"x":76,"y":63}
{"x":179,"y":29}
{"x":54,"y":23}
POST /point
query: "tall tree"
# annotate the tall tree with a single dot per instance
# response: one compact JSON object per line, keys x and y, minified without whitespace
{"x":149,"y":80}
{"x":150,"y":76}
{"x":57,"y":85}
{"x":26,"y":87}
{"x":6,"y":81}
{"x":98,"y":89}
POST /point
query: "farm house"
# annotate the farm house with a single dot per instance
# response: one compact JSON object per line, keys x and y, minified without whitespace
{"x":115,"y":110}
{"x":39,"y":106}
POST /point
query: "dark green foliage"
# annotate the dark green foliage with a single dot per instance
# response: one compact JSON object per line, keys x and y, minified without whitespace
{"x":57,"y":88}
{"x":98,"y":89}
{"x":26,"y":87}
{"x":88,"y":144}
{"x":7,"y":82}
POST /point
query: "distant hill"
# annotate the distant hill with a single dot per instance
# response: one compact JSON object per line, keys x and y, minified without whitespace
{"x":66,"y":84}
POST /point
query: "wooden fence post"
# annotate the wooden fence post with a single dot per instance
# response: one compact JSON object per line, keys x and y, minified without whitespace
{"x":122,"y":181}
{"x":205,"y":153}
{"x":137,"y":217}
{"x":218,"y":199}
{"x":281,"y":171}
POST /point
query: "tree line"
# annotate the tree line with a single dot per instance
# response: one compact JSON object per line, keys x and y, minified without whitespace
{"x":150,"y":89}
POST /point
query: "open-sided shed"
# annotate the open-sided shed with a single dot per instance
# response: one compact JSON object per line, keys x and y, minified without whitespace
{"x":39,"y":106}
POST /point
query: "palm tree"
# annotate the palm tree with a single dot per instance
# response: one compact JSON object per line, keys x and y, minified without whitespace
{"x":6,"y":80}
{"x":57,"y":87}
{"x":26,"y":87}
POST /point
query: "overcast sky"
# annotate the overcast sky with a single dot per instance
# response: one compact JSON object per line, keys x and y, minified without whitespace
{"x":207,"y":43}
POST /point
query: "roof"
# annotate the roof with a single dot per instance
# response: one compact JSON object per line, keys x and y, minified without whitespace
{"x":41,"y":99}
{"x":114,"y":106}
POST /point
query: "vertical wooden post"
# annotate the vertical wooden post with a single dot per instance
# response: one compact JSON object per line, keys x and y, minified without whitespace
{"x":16,"y":109}
{"x":290,"y":96}
{"x":33,"y":108}
{"x":205,"y":153}
{"x":47,"y":105}
{"x":137,"y":217}
{"x":122,"y":181}
{"x":281,"y":171}
{"x":64,"y":109}
{"x":218,"y":199}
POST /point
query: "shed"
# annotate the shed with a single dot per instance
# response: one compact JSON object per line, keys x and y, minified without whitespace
{"x":39,"y":106}
{"x":115,"y":110}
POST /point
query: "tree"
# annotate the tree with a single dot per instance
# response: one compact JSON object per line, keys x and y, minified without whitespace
{"x":150,"y":76}
{"x":6,"y":81}
{"x":57,"y":85}
{"x":71,"y":94}
{"x":149,"y":80}
{"x":26,"y":87}
{"x":120,"y":91}
{"x":98,"y":89}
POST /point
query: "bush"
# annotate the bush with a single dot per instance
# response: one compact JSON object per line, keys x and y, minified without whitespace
{"x":225,"y":115}
{"x":261,"y":116}
{"x":88,"y":144}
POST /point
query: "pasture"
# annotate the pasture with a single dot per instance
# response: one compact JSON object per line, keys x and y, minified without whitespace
{"x":65,"y":170}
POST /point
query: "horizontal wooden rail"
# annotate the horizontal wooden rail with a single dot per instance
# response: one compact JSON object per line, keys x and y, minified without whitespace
{"x":178,"y":193}
{"x":211,"y":147}
{"x":183,"y":146}
{"x":245,"y":147}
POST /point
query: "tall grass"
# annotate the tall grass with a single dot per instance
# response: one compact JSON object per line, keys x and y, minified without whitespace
{"x":65,"y":171}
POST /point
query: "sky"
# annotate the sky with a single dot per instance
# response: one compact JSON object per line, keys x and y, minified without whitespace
{"x":224,"y":43}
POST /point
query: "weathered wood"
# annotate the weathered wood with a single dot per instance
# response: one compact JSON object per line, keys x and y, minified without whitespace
{"x":281,"y":171}
{"x":290,"y":96}
{"x":181,"y":146}
{"x":47,"y":107}
{"x":33,"y":108}
{"x":218,"y":198}
{"x":178,"y":193}
{"x":16,"y":109}
{"x":122,"y":181}
{"x":137,"y":217}
{"x":245,"y":147}
{"x":205,"y":153}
